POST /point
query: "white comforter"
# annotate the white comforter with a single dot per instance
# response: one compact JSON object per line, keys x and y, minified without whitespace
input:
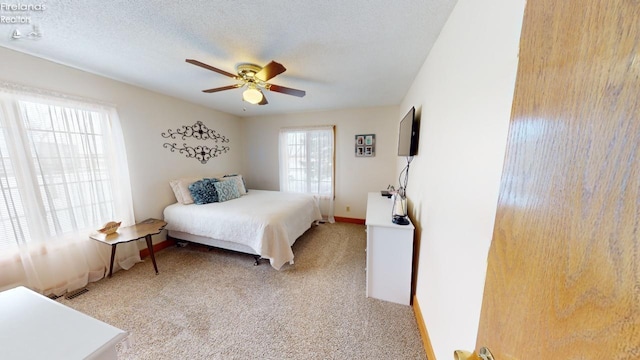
{"x":269,"y":222}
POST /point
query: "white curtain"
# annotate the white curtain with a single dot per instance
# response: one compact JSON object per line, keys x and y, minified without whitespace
{"x":307,"y":164}
{"x":63,"y":174}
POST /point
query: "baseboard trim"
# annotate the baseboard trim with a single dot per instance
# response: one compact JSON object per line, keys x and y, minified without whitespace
{"x":349,"y":220}
{"x":426,"y":342}
{"x":157,"y":247}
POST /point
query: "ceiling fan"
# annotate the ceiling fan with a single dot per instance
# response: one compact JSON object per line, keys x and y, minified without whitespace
{"x":254,"y":78}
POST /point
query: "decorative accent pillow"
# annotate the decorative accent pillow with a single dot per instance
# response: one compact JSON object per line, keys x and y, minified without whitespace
{"x":204,"y":191}
{"x":180,"y":189}
{"x":227,"y":190}
{"x":242,"y":187}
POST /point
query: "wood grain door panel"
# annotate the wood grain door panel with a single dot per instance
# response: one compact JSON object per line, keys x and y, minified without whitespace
{"x":563,"y":276}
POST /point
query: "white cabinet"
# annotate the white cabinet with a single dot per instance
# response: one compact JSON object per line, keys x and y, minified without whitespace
{"x":36,"y":327}
{"x":389,"y":253}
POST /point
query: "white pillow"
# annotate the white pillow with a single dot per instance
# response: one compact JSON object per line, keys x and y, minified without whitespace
{"x":180,"y":189}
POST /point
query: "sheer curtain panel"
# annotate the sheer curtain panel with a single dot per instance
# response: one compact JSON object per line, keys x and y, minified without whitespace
{"x":63,"y":174}
{"x":306,"y":164}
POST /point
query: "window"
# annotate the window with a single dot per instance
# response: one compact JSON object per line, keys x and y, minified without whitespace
{"x":66,"y":171}
{"x":307,"y":163}
{"x":306,"y":160}
{"x":63,"y":173}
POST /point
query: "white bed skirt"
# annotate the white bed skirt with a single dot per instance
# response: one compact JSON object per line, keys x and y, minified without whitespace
{"x":228,"y":245}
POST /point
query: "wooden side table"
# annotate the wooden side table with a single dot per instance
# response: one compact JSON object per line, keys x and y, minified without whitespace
{"x":144,"y":229}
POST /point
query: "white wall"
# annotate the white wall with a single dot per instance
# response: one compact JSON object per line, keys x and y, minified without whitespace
{"x":464,"y":92}
{"x":355,"y":177}
{"x":254,"y":141}
{"x":144,"y":116}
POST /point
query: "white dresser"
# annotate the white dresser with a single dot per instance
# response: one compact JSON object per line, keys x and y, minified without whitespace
{"x":389,"y":253}
{"x":35,"y":327}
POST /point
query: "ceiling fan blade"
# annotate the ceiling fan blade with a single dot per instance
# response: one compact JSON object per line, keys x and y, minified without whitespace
{"x":209,"y":67}
{"x":270,"y":71}
{"x":229,"y":87}
{"x":285,"y":90}
{"x":264,"y":100}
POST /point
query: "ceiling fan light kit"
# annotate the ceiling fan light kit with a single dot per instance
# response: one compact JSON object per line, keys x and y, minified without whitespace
{"x":253,"y":77}
{"x":248,"y":71}
{"x":252,"y":95}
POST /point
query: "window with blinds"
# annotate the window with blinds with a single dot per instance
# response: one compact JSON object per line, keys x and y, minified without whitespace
{"x":54,"y":171}
{"x":13,"y":221}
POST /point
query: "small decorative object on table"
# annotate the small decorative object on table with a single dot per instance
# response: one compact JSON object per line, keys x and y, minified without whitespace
{"x":110,"y":227}
{"x":399,"y":212}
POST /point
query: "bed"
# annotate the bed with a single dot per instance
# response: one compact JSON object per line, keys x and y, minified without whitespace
{"x":262,"y":223}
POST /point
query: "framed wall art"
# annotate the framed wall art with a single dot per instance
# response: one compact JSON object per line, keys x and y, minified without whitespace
{"x":365,"y":145}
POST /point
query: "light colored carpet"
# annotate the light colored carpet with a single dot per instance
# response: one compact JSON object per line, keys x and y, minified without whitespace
{"x":218,"y":305}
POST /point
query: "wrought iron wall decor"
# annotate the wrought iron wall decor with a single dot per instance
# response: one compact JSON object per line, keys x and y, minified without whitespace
{"x":198,"y":131}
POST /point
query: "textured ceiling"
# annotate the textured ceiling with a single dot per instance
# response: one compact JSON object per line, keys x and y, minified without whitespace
{"x":343,"y":53}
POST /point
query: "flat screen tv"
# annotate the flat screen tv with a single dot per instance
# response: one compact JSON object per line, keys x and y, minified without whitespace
{"x":408,"y":134}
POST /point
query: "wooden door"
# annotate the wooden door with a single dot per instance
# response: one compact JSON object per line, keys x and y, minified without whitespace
{"x":563,"y":275}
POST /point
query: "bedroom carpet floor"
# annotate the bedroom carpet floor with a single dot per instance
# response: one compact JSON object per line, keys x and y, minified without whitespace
{"x":217,"y":305}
